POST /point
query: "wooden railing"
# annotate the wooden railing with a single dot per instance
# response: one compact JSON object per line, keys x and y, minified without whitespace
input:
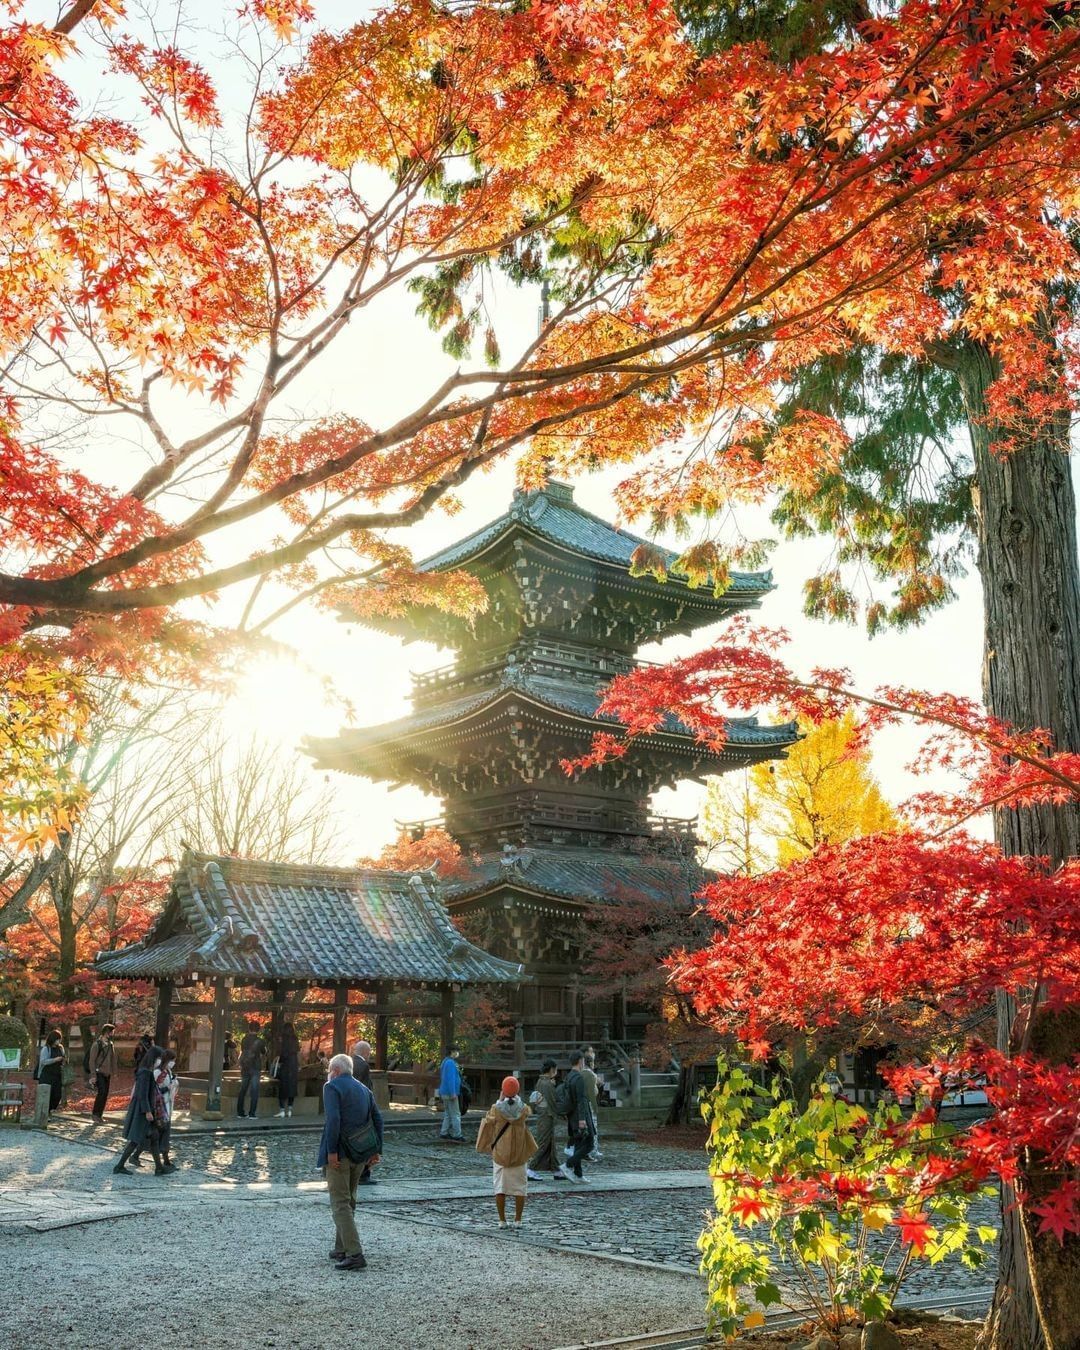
{"x":527,"y":808}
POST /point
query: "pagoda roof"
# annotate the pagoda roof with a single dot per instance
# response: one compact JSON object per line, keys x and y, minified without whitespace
{"x":551,"y":514}
{"x":578,"y":876}
{"x":256,"y":920}
{"x":566,"y":697}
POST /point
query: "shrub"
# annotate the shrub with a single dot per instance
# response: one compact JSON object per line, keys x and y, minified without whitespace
{"x":848,"y":1199}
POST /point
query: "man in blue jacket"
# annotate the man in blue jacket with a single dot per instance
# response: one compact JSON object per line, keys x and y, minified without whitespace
{"x":348,"y":1106}
{"x":450,"y":1092}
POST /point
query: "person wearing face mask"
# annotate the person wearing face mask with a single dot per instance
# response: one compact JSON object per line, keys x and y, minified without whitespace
{"x":144,"y":1114}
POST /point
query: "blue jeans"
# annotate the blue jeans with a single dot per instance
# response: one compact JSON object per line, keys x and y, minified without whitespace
{"x":451,"y":1118}
{"x":249,"y":1082}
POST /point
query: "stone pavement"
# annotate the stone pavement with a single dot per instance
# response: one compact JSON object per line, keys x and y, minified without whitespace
{"x":40,"y":1209}
{"x":288,"y":1156}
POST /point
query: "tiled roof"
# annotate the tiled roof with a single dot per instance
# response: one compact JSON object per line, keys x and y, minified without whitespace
{"x":227,"y":916}
{"x":551,"y":513}
{"x":582,"y":876}
{"x":567,"y":696}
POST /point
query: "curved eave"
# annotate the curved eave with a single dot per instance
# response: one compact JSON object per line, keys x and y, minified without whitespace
{"x":396,"y":738}
{"x":746,"y":593}
{"x":167,"y":961}
{"x":753,"y":585}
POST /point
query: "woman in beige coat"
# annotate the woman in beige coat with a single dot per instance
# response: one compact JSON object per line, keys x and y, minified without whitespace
{"x":504,"y":1134}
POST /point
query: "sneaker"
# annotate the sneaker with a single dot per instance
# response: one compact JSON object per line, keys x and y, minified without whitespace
{"x":503,"y":1223}
{"x":254,"y":1115}
{"x":337,"y":1255}
{"x":122,"y":1171}
{"x":595,"y":1157}
{"x":533,"y":1176}
{"x":280,"y":1115}
{"x":288,"y":1110}
{"x":560,"y":1175}
{"x":356,"y":1262}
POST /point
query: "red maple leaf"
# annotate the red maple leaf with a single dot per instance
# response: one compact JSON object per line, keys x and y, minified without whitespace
{"x":915,"y":1230}
{"x":749,"y":1208}
{"x":1060,"y":1212}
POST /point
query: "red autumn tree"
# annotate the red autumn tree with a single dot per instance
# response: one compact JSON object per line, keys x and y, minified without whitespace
{"x":429,"y":149}
{"x":926,"y":917}
{"x":433,"y":849}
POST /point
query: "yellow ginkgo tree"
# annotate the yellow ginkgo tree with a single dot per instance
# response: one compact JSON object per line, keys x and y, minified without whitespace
{"x":43,"y":715}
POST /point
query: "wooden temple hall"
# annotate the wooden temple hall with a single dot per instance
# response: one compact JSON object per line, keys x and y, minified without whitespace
{"x":375,"y":943}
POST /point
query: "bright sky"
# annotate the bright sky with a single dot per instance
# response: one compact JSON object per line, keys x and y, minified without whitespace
{"x":284,"y":700}
{"x":383,"y":366}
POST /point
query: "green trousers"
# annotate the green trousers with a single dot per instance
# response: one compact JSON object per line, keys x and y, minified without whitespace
{"x":342,"y":1182}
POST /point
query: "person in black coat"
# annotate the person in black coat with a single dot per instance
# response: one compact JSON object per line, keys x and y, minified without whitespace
{"x":146,"y":1116}
{"x":361,"y":1061}
{"x":51,"y":1067}
{"x":252,"y":1054}
{"x":578,"y":1131}
{"x":288,"y":1069}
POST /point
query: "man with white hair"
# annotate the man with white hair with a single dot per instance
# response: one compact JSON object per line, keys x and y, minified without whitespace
{"x":352,"y":1137}
{"x":361,"y":1063}
{"x":361,"y":1068}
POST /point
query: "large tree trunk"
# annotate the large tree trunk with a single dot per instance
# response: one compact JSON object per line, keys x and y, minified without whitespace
{"x":1026,"y":510}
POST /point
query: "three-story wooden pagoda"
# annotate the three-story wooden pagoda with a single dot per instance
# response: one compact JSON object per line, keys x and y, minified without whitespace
{"x":489,"y":731}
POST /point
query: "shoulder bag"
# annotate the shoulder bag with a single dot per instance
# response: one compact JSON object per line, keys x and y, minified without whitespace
{"x":361,"y":1143}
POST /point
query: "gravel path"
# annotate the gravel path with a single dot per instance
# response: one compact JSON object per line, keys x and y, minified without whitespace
{"x":238,"y":1238}
{"x":220,"y":1268}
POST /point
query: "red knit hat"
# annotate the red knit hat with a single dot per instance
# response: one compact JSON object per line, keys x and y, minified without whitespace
{"x":510,"y":1087}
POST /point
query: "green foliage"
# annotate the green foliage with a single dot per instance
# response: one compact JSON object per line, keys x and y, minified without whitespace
{"x":791,"y":29}
{"x":899,"y":504}
{"x":13,"y":1034}
{"x":843,"y":1199}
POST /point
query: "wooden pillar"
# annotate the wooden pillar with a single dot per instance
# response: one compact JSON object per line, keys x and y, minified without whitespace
{"x":620,"y":1014}
{"x":164,"y":1013}
{"x":341,"y":1017}
{"x":277,"y":1017}
{"x":219,"y":1020}
{"x":447,"y":1017}
{"x":382,"y":1026}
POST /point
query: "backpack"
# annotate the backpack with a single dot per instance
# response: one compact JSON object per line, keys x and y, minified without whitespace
{"x":564,"y":1097}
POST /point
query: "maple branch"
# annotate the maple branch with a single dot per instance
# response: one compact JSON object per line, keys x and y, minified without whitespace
{"x":68,"y":22}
